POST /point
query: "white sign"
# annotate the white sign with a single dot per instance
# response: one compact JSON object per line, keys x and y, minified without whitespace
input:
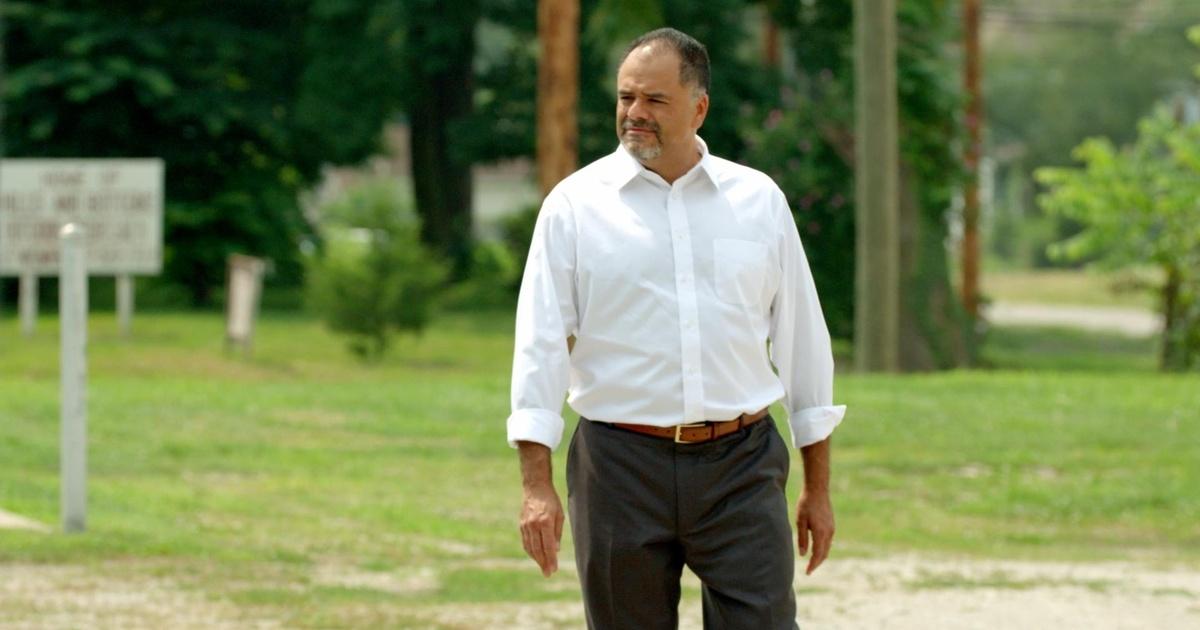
{"x":117,"y":202}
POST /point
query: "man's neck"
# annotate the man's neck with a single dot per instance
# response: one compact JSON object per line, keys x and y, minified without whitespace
{"x":673,"y":169}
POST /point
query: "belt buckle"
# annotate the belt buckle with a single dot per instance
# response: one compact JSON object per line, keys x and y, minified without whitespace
{"x":679,"y":431}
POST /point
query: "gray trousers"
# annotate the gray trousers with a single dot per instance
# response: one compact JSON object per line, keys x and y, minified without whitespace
{"x":642,"y":507}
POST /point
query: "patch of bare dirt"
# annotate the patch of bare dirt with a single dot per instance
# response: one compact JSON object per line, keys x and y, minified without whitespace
{"x":52,"y":597}
{"x":913,"y":592}
{"x":906,"y":592}
{"x":8,"y":520}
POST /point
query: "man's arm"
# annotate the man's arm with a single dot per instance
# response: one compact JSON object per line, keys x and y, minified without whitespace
{"x":814,"y":513}
{"x":541,"y":511}
{"x":546,"y":322}
{"x":802,"y":352}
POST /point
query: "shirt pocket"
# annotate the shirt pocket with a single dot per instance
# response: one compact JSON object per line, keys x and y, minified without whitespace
{"x":740,"y":270}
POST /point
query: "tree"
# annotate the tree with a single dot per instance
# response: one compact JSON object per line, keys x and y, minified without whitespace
{"x":244,"y":101}
{"x":807,"y":146}
{"x":439,"y":51}
{"x":558,"y":91}
{"x":1058,"y":72}
{"x":1138,"y":205}
{"x":876,"y":188}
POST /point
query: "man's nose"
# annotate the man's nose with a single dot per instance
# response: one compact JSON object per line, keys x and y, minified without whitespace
{"x":636,"y":110}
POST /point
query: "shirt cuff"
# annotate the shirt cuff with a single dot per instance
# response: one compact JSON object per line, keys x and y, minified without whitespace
{"x":535,"y":425}
{"x":814,"y":424}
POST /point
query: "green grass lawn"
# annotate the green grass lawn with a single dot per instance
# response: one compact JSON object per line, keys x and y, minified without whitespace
{"x":286,"y":482}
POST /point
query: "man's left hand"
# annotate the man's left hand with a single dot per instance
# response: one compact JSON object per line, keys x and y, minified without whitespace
{"x":814,"y":517}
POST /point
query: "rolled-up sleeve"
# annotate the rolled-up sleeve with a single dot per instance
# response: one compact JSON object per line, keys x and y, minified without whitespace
{"x":546,"y":316}
{"x":800,"y":347}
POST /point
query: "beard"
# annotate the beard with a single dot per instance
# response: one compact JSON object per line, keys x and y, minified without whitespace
{"x":638,"y":145}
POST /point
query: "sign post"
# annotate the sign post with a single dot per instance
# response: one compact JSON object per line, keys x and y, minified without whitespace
{"x":28,"y":303}
{"x":73,"y":310}
{"x":125,"y":304}
{"x":73,"y":218}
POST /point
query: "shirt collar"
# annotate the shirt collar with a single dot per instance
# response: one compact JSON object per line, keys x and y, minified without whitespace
{"x":626,"y":167}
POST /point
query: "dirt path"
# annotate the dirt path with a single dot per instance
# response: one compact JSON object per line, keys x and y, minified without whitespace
{"x":897,"y":592}
{"x":42,"y":597}
{"x":911,"y":592}
{"x":1130,"y":321}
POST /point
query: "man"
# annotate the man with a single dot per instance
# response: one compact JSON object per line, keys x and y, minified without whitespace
{"x":656,"y":276}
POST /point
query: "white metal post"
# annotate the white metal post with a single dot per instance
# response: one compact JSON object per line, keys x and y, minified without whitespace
{"x":73,"y":310}
{"x":125,"y":303}
{"x":28,"y":303}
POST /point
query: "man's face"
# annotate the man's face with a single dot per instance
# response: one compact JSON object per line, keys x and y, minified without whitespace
{"x":657,"y":115}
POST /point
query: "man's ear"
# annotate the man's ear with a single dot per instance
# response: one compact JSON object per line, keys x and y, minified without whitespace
{"x":701,"y":111}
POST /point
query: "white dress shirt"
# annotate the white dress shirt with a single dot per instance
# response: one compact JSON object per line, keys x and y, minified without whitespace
{"x":672,"y":292}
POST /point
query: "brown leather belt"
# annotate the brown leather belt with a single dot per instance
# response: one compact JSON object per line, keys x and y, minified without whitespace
{"x":698,"y":432}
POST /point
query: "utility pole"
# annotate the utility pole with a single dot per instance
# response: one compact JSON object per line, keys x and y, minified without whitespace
{"x":771,"y":54}
{"x":974,"y":119}
{"x":876,"y":187}
{"x":558,"y":91}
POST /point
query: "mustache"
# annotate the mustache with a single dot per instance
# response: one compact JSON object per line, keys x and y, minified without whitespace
{"x":641,"y":124}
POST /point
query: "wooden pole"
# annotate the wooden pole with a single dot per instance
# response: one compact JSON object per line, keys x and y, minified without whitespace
{"x":877,"y":175}
{"x":558,"y":91}
{"x":73,"y":308}
{"x":771,"y":55}
{"x":974,"y":120}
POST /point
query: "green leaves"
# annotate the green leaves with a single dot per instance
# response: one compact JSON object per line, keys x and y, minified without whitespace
{"x":245,"y":101}
{"x":373,"y":277}
{"x":1140,"y":205}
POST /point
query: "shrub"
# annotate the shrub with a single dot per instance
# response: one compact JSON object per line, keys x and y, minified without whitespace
{"x":372,"y":276}
{"x":492,"y":283}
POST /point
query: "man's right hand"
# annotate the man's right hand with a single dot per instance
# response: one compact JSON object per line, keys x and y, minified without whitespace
{"x":541,"y":511}
{"x":541,"y":525}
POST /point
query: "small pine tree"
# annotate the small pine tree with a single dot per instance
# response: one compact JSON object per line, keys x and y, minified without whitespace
{"x":373,"y":277}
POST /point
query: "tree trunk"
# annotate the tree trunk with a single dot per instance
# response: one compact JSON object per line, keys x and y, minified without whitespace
{"x":914,"y":351}
{"x":877,"y":273}
{"x":1173,"y":354}
{"x":974,"y":120}
{"x":442,"y":51}
{"x":771,"y":54}
{"x":558,"y":91}
{"x":934,"y":328}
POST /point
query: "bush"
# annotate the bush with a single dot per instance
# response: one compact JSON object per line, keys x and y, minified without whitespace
{"x":493,"y":282}
{"x":372,"y":276}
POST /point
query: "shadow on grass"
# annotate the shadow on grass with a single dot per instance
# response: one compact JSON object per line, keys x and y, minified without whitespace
{"x":1066,"y":349}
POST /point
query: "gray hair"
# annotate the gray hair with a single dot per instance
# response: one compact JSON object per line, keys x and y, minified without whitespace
{"x":693,"y":56}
